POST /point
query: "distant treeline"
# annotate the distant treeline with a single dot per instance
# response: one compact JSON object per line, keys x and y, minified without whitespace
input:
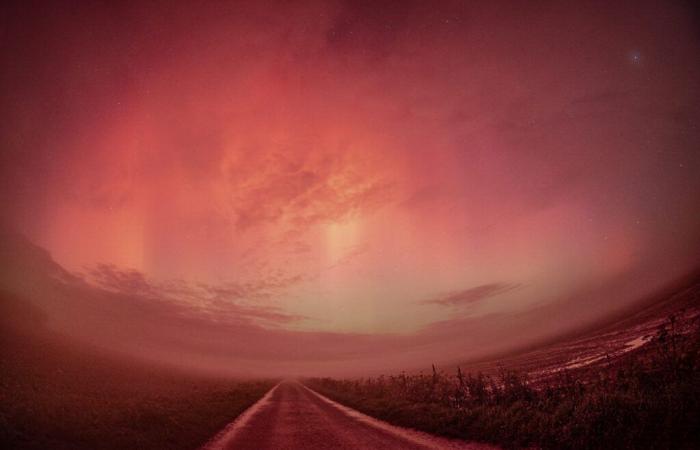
{"x":649,"y":398}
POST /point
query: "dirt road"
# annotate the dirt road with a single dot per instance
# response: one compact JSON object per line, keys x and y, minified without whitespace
{"x":291,"y":416}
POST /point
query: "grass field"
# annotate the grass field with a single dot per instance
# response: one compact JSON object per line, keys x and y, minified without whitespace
{"x":646,"y":398}
{"x":55,"y":394}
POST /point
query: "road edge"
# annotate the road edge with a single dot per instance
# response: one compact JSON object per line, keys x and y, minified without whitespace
{"x":420,"y":438}
{"x":223,"y":437}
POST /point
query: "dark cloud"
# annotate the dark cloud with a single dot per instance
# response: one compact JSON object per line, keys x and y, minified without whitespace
{"x":237,"y":302}
{"x":474,"y":294}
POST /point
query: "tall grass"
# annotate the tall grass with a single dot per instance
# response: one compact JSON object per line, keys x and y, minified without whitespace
{"x":648,"y":399}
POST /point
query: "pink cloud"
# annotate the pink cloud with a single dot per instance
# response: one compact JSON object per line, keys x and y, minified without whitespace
{"x":329,"y":166}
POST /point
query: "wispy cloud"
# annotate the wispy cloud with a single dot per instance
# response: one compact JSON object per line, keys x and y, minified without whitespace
{"x":237,"y":302}
{"x":474,"y":294}
{"x":317,"y":186}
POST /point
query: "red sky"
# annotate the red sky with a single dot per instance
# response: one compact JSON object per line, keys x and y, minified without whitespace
{"x":445,"y":178}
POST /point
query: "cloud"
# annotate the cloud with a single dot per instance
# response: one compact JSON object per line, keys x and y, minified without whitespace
{"x":260,"y":143}
{"x":231,"y":302}
{"x":126,"y":311}
{"x":302,"y":189}
{"x":474,"y":294}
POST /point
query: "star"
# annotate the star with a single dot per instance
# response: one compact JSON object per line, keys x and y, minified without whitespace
{"x":635,"y":57}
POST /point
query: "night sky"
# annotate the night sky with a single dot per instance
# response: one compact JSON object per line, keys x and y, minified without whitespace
{"x":296,"y":185}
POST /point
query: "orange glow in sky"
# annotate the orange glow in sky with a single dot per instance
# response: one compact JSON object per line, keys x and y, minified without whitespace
{"x":436,"y":177}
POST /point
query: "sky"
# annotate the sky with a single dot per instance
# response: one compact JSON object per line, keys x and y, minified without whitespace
{"x":385,"y":183}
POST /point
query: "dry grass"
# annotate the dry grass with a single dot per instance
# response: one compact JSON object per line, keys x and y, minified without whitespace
{"x":647,"y":399}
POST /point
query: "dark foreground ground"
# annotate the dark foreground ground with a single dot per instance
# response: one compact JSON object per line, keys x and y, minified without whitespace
{"x":55,"y":394}
{"x":611,"y":390}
